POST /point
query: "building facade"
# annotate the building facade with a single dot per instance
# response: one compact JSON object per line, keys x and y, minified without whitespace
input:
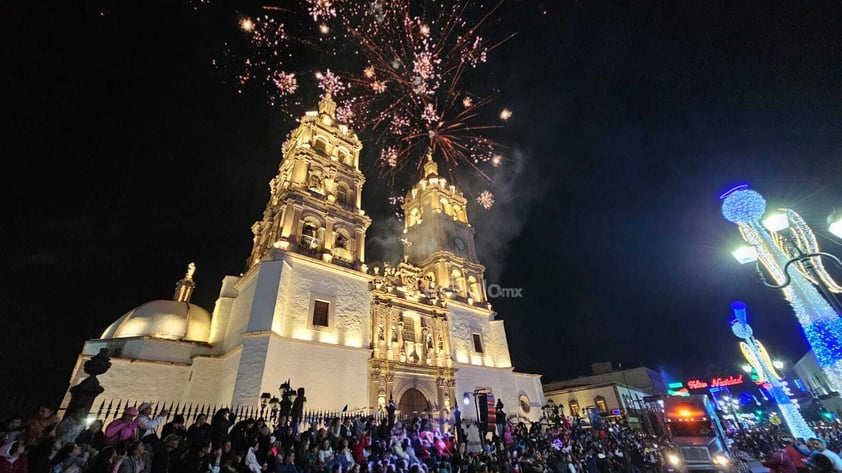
{"x":308,"y":308}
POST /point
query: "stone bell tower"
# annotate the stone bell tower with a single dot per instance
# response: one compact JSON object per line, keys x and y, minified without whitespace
{"x":438,"y":238}
{"x":314,"y":206}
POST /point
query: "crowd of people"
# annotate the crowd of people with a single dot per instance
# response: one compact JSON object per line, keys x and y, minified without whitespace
{"x":142,"y":442}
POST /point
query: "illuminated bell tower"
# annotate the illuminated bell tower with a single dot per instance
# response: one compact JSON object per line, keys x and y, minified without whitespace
{"x":438,"y":238}
{"x":314,"y":207}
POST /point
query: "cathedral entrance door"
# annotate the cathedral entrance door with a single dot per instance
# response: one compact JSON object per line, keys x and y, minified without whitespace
{"x":413,"y":401}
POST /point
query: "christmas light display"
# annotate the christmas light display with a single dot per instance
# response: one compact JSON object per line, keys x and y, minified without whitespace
{"x":789,"y":411}
{"x":778,"y":250}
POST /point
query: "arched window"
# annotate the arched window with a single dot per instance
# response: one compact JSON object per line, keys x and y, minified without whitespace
{"x":344,"y":157}
{"x":343,"y":194}
{"x":343,"y":245}
{"x":473,"y":286}
{"x":574,"y":408}
{"x":445,"y":207}
{"x":457,"y":281}
{"x":600,"y":404}
{"x":311,"y":229}
{"x":320,"y":144}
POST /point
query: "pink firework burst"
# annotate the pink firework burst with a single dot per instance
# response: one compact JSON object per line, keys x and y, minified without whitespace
{"x":321,"y":9}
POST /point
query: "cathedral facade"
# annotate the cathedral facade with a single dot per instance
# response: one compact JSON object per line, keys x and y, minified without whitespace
{"x":308,"y":309}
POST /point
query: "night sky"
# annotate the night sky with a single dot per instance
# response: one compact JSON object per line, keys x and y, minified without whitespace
{"x":127,"y":158}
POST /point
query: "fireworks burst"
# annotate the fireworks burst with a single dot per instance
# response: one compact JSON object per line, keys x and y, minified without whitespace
{"x":412,"y":86}
{"x":402,"y":75}
{"x":485,"y":200}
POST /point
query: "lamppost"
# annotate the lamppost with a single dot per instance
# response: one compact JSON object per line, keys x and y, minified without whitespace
{"x":789,"y":411}
{"x":481,"y":427}
{"x":782,"y":241}
{"x":549,"y":410}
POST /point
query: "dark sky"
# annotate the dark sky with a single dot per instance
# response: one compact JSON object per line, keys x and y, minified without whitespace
{"x":127,"y":158}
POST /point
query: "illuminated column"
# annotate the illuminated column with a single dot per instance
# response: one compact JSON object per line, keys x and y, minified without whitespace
{"x":822,"y":325}
{"x":789,"y":411}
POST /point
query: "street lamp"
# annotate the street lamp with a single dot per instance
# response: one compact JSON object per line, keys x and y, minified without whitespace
{"x":549,"y":409}
{"x":809,"y":289}
{"x":789,"y":411}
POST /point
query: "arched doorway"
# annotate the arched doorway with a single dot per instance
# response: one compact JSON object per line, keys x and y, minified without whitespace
{"x":413,"y":401}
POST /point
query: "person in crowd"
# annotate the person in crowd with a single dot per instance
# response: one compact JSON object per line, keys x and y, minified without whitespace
{"x":14,"y":429}
{"x":819,"y":447}
{"x":134,"y":460}
{"x":70,"y":427}
{"x":13,"y":458}
{"x":123,"y":428}
{"x":175,"y":426}
{"x":821,"y":464}
{"x":200,"y":431}
{"x":220,"y":425}
{"x":288,"y":463}
{"x":326,"y":455}
{"x":250,"y":460}
{"x":500,"y":417}
{"x":166,"y":454}
{"x":240,"y":434}
{"x":297,"y":410}
{"x":779,"y":461}
{"x":92,"y":438}
{"x":798,"y":459}
{"x":147,"y":424}
{"x":69,"y":459}
{"x":197,"y":459}
{"x":41,"y":426}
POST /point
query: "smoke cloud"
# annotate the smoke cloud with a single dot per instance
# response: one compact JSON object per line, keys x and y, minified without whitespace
{"x":515,"y":189}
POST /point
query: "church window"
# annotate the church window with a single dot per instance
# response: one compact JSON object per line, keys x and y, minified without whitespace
{"x":321,"y":313}
{"x":341,"y":240}
{"x":320,"y":145}
{"x":344,"y":157}
{"x":601,"y":406}
{"x":342,"y":194}
{"x":474,"y":288}
{"x":457,"y":282}
{"x":574,"y":408}
{"x":477,"y":342}
{"x":445,"y":206}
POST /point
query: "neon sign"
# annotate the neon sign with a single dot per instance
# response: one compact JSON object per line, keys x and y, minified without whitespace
{"x":696,"y":384}
{"x":717,"y":382}
{"x":729,"y":381}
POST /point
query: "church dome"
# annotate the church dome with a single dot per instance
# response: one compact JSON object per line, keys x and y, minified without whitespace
{"x":176,"y":319}
{"x":172,"y":320}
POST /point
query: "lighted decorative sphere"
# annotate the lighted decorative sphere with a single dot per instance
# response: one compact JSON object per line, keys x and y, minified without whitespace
{"x":743,"y":206}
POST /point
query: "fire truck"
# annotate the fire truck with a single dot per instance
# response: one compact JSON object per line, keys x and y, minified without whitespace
{"x":698,"y":441}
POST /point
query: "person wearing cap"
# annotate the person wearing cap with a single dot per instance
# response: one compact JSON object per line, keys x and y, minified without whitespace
{"x":123,"y":428}
{"x":147,"y":424}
